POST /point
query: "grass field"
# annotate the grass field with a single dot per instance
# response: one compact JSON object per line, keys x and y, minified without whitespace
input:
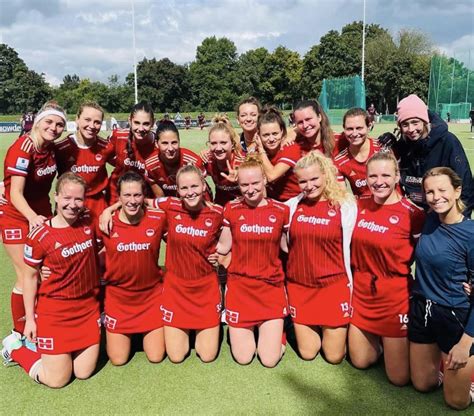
{"x":222,"y":387}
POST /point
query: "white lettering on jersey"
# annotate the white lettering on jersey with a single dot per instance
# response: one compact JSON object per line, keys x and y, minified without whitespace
{"x":84,"y":169}
{"x":256,"y":229}
{"x":361,"y":183}
{"x":372,"y":226}
{"x":76,"y":248}
{"x":312,"y":220}
{"x":136,"y":247}
{"x":195,"y":232}
{"x":48,"y":170}
{"x":134,"y":163}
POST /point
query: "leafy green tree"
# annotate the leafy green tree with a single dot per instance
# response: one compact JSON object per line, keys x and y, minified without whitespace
{"x":21,"y":89}
{"x":251,"y":72}
{"x":213,"y":75}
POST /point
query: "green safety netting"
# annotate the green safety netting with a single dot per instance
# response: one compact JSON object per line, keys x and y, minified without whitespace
{"x":451,"y":88}
{"x":340,"y":94}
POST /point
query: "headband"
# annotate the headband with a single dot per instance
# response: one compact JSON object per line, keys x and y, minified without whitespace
{"x":50,"y":112}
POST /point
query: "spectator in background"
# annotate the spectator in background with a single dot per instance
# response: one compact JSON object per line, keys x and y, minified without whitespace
{"x":372,"y":111}
{"x":201,"y":120}
{"x":187,"y":122}
{"x":471,"y":116}
{"x":26,"y":122}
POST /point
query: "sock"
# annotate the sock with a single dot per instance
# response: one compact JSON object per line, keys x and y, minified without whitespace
{"x":27,"y":360}
{"x":18,"y":310}
{"x":441,"y":373}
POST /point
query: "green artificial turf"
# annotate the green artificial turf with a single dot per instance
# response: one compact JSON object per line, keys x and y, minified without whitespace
{"x":221,"y":387}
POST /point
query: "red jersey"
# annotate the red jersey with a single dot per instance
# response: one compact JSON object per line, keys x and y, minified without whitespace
{"x":286,"y":186}
{"x":71,"y":255}
{"x":39,"y":170}
{"x":354,"y":171}
{"x":132,"y":251}
{"x":315,"y":254}
{"x":87,"y":162}
{"x":192,"y":237}
{"x":256,"y":235}
{"x":225,"y":190}
{"x":141,"y":150}
{"x":384,"y":237}
{"x":157,"y":172}
{"x":340,"y":143}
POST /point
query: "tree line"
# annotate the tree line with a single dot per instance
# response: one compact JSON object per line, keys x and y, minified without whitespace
{"x":219,"y":77}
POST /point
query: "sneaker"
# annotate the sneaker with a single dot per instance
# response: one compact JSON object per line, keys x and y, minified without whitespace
{"x":10,"y":343}
{"x":472,"y":392}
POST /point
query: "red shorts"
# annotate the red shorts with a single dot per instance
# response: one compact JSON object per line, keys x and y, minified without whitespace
{"x":132,"y":312}
{"x":14,"y":226}
{"x":249,"y":302}
{"x":67,"y":325}
{"x":324,"y":306}
{"x":191,"y":304}
{"x":96,"y":204}
{"x":380,"y":306}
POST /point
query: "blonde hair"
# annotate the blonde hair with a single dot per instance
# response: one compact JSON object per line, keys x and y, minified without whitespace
{"x":48,"y":105}
{"x":454,"y":179}
{"x":69,"y":177}
{"x":386,"y":157}
{"x":189,"y":169}
{"x":221,"y":122}
{"x":333,"y":192}
{"x":89,"y":104}
{"x":252,"y":161}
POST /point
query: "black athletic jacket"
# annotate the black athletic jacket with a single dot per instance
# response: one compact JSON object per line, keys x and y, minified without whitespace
{"x":440,"y":148}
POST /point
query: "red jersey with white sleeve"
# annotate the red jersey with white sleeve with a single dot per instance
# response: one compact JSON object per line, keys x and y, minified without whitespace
{"x":354,"y":171}
{"x":38,"y":169}
{"x":89,"y":162}
{"x":384,"y":237}
{"x":192,"y":237}
{"x":286,"y":186}
{"x":157,"y":172}
{"x":225,"y":190}
{"x":256,"y":235}
{"x":140,"y":149}
{"x":132,"y":251}
{"x":71,"y":255}
{"x":315,"y":256}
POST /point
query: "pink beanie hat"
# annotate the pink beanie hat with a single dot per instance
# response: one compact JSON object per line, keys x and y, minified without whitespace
{"x":412,"y":107}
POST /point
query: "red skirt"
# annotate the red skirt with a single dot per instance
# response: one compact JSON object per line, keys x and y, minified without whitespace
{"x":132,"y":312}
{"x":191,"y":304}
{"x":380,"y":306}
{"x":250,"y":302}
{"x":67,"y":325}
{"x":323,"y":306}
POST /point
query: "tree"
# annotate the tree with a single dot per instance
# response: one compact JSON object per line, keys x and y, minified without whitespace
{"x":251,"y":72}
{"x":164,"y":84}
{"x":213,"y":75}
{"x":21,"y":89}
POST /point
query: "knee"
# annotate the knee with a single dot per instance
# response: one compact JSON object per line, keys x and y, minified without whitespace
{"x":57,"y":381}
{"x":333,"y":357}
{"x":177,"y":357}
{"x":207,"y":356}
{"x":308,"y":354}
{"x":457,"y":402}
{"x":83,"y":374}
{"x":155,"y":357}
{"x":362,"y":362}
{"x":118,"y":360}
{"x":424,"y":385}
{"x":399,"y":380}
{"x":242,"y":358}
{"x":270,"y":361}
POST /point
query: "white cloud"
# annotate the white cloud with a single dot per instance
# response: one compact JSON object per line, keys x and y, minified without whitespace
{"x":94,"y":39}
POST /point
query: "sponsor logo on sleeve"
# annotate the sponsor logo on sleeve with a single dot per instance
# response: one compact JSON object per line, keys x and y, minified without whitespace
{"x":22,"y":164}
{"x":28,"y":251}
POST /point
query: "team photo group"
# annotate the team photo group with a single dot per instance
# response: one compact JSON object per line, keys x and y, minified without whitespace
{"x":360,"y":248}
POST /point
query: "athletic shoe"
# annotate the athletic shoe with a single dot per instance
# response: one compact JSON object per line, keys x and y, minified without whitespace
{"x":472,"y":392}
{"x":10,"y":343}
{"x":440,"y":378}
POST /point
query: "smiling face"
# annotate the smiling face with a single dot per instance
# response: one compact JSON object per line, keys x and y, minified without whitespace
{"x":132,"y":198}
{"x":356,"y":130}
{"x":413,"y":129}
{"x":307,"y":122}
{"x":271,"y":135}
{"x":70,"y":201}
{"x":89,"y":123}
{"x":312,"y":181}
{"x":49,"y":128}
{"x":191,"y":189}
{"x":252,"y":184}
{"x":168,"y":144}
{"x":247,"y":117}
{"x":382,"y":179}
{"x":440,"y":194}
{"x":141,"y":124}
{"x":220,"y":144}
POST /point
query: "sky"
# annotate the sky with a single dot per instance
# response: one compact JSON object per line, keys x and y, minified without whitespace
{"x":93,"y":39}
